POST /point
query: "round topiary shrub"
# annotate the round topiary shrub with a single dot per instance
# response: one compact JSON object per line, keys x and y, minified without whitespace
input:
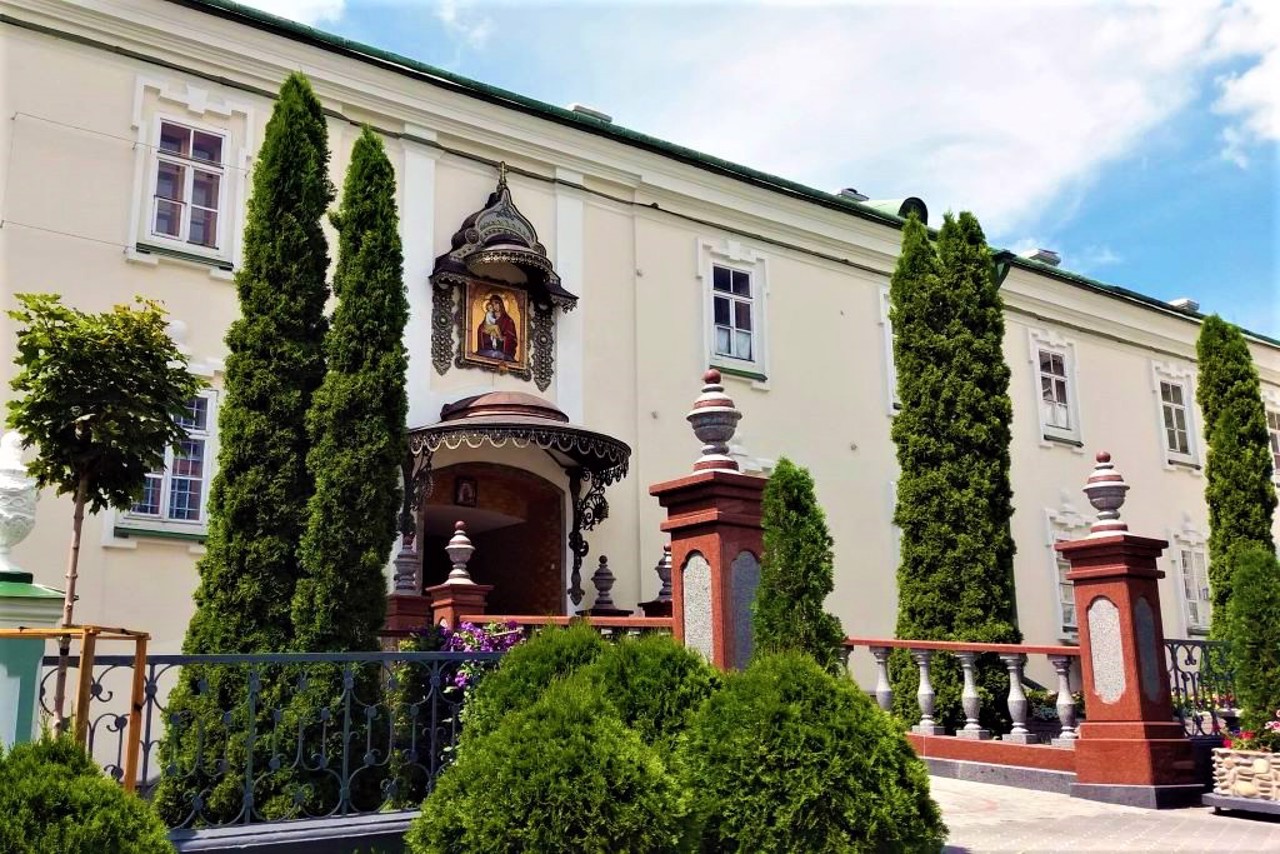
{"x":528,"y":670}
{"x":655,"y":685}
{"x":788,"y":758}
{"x":564,"y":775}
{"x":53,"y":798}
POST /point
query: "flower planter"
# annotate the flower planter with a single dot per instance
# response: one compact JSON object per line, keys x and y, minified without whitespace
{"x":1245,"y":780}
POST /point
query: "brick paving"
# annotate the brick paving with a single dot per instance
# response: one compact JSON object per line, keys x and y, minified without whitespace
{"x":983,"y":818}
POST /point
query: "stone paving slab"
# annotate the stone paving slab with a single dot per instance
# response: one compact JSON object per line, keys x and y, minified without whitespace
{"x":986,"y":818}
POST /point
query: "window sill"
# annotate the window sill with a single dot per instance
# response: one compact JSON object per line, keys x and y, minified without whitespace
{"x":1062,"y":440}
{"x":758,"y":379}
{"x":151,"y":254}
{"x":129,"y":531}
{"x":1182,"y":464}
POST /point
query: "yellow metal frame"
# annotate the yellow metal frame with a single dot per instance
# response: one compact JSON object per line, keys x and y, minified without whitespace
{"x":89,"y":637}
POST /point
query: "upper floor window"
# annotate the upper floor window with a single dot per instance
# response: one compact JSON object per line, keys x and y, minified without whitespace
{"x":1054,"y":370}
{"x":735,"y":290}
{"x":891,"y":368}
{"x":189,"y":177}
{"x":734,"y":307}
{"x":177,"y":493}
{"x":1177,"y":430}
{"x":1273,"y":430}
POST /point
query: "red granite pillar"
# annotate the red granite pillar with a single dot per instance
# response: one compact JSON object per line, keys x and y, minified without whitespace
{"x":713,"y":518}
{"x":459,"y":595}
{"x":1130,"y":749}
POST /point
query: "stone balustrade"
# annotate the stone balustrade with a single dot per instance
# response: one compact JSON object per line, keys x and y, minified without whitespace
{"x":1014,"y":657}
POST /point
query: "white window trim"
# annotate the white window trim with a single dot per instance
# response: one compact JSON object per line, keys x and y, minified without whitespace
{"x":199,"y":109}
{"x":1184,"y":538}
{"x":1271,"y":403}
{"x":736,"y":256}
{"x":892,"y":403}
{"x":1051,"y":341}
{"x":895,"y":532}
{"x":1064,"y":523}
{"x":1170,"y":372}
{"x":145,"y":523}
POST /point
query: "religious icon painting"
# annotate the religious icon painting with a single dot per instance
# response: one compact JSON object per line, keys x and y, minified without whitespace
{"x":464,"y":492}
{"x":496,"y":326}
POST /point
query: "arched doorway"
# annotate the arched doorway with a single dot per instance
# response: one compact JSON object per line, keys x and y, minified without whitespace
{"x":516,"y":521}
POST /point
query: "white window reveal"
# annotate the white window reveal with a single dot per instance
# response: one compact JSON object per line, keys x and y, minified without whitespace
{"x":190,"y":173}
{"x":735,"y":290}
{"x":1062,"y":524}
{"x":734,"y":309}
{"x":890,"y":368}
{"x":1191,"y":564}
{"x":1273,"y":432}
{"x":175,"y":496}
{"x":1053,"y":366}
{"x":1174,"y":388}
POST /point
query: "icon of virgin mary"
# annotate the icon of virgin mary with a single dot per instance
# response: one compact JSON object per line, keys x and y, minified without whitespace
{"x":496,"y":334}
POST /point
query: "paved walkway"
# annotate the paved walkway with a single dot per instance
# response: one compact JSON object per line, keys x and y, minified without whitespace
{"x":985,"y":818}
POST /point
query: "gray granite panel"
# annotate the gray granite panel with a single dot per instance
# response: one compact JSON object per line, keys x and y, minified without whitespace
{"x":697,"y":604}
{"x":1105,"y":649}
{"x":1144,"y":623}
{"x":744,"y":578}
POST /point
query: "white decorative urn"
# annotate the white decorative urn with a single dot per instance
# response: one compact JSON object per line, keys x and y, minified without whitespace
{"x":18,"y":495}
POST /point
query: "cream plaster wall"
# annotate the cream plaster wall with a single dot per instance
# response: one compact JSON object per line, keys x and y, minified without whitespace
{"x":620,"y":223}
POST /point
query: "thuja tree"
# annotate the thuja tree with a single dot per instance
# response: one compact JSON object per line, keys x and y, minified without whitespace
{"x":796,"y":572}
{"x":101,"y":396}
{"x":955,"y":579}
{"x":357,"y":420}
{"x":258,"y":502}
{"x":1238,"y":473}
{"x":1250,"y":624}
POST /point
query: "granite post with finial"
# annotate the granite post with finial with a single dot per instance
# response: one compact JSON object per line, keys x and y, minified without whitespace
{"x":459,"y":595}
{"x":713,"y":519}
{"x":1130,"y":750}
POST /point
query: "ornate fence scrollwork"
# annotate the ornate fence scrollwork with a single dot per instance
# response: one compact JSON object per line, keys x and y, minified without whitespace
{"x":1202,"y":683}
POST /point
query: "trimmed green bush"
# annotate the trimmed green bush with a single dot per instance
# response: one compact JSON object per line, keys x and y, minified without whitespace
{"x":796,"y":574}
{"x":527,"y":671}
{"x":53,"y":799}
{"x":787,"y":758}
{"x":564,"y":775}
{"x":655,"y":685}
{"x":1254,"y":633}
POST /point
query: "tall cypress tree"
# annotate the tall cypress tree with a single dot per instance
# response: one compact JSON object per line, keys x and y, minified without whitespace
{"x":258,"y":503}
{"x":796,"y":573}
{"x":357,"y":421}
{"x":1238,"y":485}
{"x":955,"y":579}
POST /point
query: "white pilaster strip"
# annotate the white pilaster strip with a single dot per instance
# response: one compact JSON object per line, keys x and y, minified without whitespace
{"x":417,"y":233}
{"x":570,"y":326}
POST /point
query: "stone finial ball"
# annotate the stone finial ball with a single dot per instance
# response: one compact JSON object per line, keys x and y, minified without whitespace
{"x":460,"y":526}
{"x":1103,"y":457}
{"x":711,"y":377}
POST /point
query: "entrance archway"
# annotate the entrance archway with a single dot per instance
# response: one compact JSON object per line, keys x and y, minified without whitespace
{"x":516,"y":521}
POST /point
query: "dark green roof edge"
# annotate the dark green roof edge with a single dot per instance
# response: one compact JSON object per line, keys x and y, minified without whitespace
{"x":456,"y":82}
{"x":492,"y":94}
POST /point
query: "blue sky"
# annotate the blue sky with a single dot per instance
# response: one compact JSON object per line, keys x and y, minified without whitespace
{"x":1139,"y":140}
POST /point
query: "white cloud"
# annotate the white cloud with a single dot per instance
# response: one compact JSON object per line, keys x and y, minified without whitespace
{"x":1008,"y":111}
{"x":1092,"y":257}
{"x":1249,"y":98}
{"x":460,"y":25}
{"x":303,"y":11}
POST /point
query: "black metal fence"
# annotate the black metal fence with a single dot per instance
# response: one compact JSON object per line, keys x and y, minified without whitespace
{"x":248,"y":738}
{"x":1202,"y":682}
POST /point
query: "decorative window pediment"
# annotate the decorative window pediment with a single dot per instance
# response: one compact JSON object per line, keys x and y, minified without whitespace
{"x":498,"y":291}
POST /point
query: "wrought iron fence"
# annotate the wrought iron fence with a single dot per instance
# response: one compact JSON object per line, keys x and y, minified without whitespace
{"x":250,"y":738}
{"x":1202,"y":683}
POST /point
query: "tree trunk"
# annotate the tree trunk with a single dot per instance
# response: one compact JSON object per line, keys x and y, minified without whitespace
{"x":68,"y":606}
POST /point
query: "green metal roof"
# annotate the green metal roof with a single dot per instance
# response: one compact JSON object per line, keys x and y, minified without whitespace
{"x":492,"y":94}
{"x":19,"y":585}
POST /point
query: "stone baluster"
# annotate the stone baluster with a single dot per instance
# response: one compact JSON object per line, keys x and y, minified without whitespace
{"x":970,"y":700}
{"x":1066,"y":703}
{"x":926,"y":696}
{"x":884,"y":688}
{"x":1017,"y":700}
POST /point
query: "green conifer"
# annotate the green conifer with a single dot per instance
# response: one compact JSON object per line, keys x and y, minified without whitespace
{"x":357,"y":420}
{"x":258,"y":503}
{"x":796,"y":572}
{"x":1238,"y":474}
{"x":955,"y":579}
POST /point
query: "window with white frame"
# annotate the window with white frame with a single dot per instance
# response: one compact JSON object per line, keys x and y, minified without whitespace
{"x":1053,"y":368}
{"x":1193,"y":576}
{"x":1273,"y":431}
{"x":735,"y":285}
{"x":1064,"y":523}
{"x":175,"y":495}
{"x":190,"y":173}
{"x":890,"y":369}
{"x":1174,"y":389}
